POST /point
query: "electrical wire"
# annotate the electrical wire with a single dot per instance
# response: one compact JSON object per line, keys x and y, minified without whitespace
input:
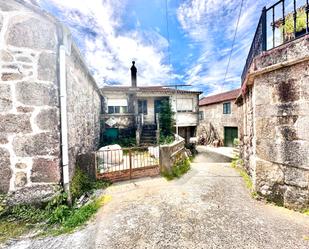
{"x":234,"y":39}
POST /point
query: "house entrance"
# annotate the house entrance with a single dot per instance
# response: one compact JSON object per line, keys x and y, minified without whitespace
{"x":230,"y":133}
{"x":157,"y":106}
{"x":127,"y":163}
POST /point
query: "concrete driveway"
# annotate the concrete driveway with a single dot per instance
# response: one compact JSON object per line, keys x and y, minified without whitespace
{"x":207,"y":208}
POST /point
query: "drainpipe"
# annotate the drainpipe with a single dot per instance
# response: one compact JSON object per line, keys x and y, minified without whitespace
{"x":64,"y":49}
{"x":64,"y":119}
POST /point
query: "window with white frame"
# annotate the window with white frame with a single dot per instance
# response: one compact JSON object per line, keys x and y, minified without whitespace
{"x":117,"y":106}
{"x":184,"y":104}
{"x":201,"y":115}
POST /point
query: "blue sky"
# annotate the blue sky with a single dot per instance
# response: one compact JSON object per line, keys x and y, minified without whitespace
{"x":112,"y":33}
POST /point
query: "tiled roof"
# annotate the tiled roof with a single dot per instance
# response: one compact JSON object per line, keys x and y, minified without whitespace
{"x":221,"y":97}
{"x":156,"y":89}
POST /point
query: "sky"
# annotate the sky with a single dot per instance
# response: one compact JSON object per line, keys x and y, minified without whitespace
{"x":172,"y":41}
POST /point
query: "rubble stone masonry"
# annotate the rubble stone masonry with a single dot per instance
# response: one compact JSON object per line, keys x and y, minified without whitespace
{"x":30,"y":154}
{"x":276,"y":118}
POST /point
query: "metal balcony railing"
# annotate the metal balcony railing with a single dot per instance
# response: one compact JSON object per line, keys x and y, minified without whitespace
{"x":282,"y":22}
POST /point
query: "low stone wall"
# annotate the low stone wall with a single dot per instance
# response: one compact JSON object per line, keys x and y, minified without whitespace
{"x":30,"y":153}
{"x":171,"y":153}
{"x":276,"y":116}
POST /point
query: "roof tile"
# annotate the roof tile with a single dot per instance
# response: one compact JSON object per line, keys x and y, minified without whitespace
{"x":219,"y":97}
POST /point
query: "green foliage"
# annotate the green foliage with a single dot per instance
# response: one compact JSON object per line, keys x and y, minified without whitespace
{"x":300,"y":22}
{"x":27,"y":213}
{"x":12,"y":229}
{"x":80,"y":216}
{"x":166,"y":139}
{"x":306,"y":211}
{"x":81,"y":183}
{"x":56,"y":216}
{"x":237,"y":164}
{"x":127,"y":142}
{"x":178,"y":169}
{"x":166,"y":118}
{"x":59,"y":214}
{"x":236,"y":142}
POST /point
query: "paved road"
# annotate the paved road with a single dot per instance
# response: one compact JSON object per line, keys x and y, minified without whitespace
{"x":207,"y":208}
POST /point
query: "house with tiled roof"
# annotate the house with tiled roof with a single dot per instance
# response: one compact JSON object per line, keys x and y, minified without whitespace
{"x":219,"y":119}
{"x":127,"y":107}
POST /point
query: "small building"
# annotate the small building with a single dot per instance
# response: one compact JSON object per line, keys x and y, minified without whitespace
{"x":219,"y":118}
{"x":127,"y":109}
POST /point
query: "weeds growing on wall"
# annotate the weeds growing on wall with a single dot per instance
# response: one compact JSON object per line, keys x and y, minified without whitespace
{"x":55,"y":217}
{"x":166,"y":139}
{"x":178,"y":169}
{"x":237,"y":164}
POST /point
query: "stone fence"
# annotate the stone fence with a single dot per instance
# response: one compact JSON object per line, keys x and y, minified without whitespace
{"x":171,"y":153}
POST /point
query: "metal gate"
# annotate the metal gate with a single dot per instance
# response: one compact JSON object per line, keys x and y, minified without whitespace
{"x":127,"y":163}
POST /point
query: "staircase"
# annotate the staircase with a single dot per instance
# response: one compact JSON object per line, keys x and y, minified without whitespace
{"x":148,"y":136}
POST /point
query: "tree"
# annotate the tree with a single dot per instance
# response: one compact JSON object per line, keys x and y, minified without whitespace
{"x":166,"y":118}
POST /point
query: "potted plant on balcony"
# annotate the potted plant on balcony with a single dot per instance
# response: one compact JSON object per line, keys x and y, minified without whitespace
{"x":287,"y":29}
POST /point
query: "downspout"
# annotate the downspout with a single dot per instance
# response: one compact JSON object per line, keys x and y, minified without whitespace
{"x":64,"y":120}
{"x":64,"y":49}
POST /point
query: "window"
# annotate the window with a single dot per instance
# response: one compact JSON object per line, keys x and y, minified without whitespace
{"x":184,"y":105}
{"x":227,"y":108}
{"x":117,"y":106}
{"x":142,"y":106}
{"x":113,"y":109}
{"x":201,"y":115}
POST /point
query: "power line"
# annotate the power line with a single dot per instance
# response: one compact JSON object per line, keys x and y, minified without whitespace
{"x":233,"y":43}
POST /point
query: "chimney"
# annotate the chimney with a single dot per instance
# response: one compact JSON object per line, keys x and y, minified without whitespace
{"x":133,"y":74}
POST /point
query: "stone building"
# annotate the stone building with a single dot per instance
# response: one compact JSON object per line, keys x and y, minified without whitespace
{"x":127,"y":106}
{"x":49,"y":104}
{"x":219,"y":119}
{"x":274,"y":136}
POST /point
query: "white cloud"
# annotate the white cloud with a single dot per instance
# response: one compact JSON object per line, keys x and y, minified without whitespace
{"x":109,"y":50}
{"x":212,"y":24}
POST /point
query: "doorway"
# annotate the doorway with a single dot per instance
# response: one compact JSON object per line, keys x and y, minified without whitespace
{"x":230,"y":133}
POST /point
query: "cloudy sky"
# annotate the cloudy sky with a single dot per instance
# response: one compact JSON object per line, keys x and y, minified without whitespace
{"x":112,"y":33}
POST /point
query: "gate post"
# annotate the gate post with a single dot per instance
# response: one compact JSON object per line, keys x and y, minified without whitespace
{"x":130,"y":161}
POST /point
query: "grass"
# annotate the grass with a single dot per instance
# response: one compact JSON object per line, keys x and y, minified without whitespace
{"x":178,"y":169}
{"x":12,"y":229}
{"x":80,"y":216}
{"x":237,"y":164}
{"x":62,"y":219}
{"x":306,"y":211}
{"x":54,"y":217}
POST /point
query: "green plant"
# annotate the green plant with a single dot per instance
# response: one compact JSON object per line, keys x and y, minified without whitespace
{"x":288,"y":27}
{"x":237,"y":164}
{"x":166,"y":118}
{"x":80,"y":184}
{"x":166,"y":139}
{"x":236,"y":142}
{"x":127,"y":142}
{"x":179,"y":168}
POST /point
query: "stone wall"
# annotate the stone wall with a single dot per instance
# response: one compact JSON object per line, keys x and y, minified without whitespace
{"x":214,"y":120}
{"x":276,"y":116}
{"x":84,"y":108}
{"x":171,"y":153}
{"x":30,"y":153}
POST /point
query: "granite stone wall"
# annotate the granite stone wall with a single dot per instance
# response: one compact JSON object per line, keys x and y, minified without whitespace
{"x":276,"y":118}
{"x":84,"y":108}
{"x":30,"y":153}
